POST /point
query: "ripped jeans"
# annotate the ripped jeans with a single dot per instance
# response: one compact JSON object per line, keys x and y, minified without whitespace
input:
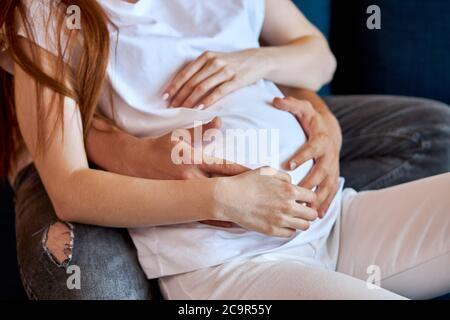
{"x":58,"y":260}
{"x":387,"y":141}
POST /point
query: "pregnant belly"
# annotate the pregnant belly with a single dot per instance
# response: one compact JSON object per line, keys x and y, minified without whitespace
{"x":198,"y":245}
{"x":256,"y":134}
{"x":253,"y":132}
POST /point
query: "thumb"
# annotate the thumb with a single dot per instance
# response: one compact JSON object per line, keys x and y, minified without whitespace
{"x":215,"y":123}
{"x":301,"y":109}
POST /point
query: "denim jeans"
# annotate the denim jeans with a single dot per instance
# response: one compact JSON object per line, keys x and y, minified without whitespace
{"x":108,"y":266}
{"x":387,"y":141}
{"x":390,"y":140}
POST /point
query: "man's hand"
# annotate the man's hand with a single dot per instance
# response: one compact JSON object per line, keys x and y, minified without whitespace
{"x":323,"y":145}
{"x":150,"y":158}
{"x":116,"y":151}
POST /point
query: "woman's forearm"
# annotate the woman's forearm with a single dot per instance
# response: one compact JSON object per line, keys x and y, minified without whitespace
{"x":107,"y":199}
{"x":304,"y":63}
{"x":297,"y":53}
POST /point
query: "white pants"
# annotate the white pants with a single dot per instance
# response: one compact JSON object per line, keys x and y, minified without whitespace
{"x":399,"y":235}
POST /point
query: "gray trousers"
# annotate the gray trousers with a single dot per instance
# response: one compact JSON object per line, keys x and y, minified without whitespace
{"x":387,"y":141}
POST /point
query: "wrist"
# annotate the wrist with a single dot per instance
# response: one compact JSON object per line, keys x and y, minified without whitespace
{"x":218,"y":188}
{"x":204,"y":197}
{"x":334,"y":128}
{"x":335,"y":131}
{"x":267,"y":61}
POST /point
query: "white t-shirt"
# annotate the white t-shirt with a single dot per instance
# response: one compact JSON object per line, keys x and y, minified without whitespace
{"x":155,"y":39}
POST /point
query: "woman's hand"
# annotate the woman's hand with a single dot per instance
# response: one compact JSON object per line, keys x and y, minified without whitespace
{"x":323,"y":146}
{"x":264,"y":200}
{"x":296,"y":54}
{"x":214,"y":75}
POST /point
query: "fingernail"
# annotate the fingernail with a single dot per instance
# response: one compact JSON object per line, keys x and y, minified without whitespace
{"x":200,"y":107}
{"x":293,"y":165}
{"x":165,"y":96}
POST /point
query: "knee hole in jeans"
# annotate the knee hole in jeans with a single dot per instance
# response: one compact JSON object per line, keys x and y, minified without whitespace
{"x":57,"y":242}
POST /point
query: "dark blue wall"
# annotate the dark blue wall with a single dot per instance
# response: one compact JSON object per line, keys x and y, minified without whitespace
{"x":410,"y":55}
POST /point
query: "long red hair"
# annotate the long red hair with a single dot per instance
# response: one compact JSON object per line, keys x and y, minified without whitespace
{"x":83,"y":84}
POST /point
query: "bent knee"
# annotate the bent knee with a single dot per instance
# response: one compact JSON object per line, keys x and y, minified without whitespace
{"x":432,"y":120}
{"x":431,"y":113}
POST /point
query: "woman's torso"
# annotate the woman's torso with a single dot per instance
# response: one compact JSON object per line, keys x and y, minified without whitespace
{"x":155,"y":39}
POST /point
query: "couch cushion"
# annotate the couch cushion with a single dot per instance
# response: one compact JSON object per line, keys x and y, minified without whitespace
{"x":11,"y":287}
{"x":408,"y":56}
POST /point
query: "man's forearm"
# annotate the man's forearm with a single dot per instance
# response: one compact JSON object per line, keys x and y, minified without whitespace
{"x":107,"y":145}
